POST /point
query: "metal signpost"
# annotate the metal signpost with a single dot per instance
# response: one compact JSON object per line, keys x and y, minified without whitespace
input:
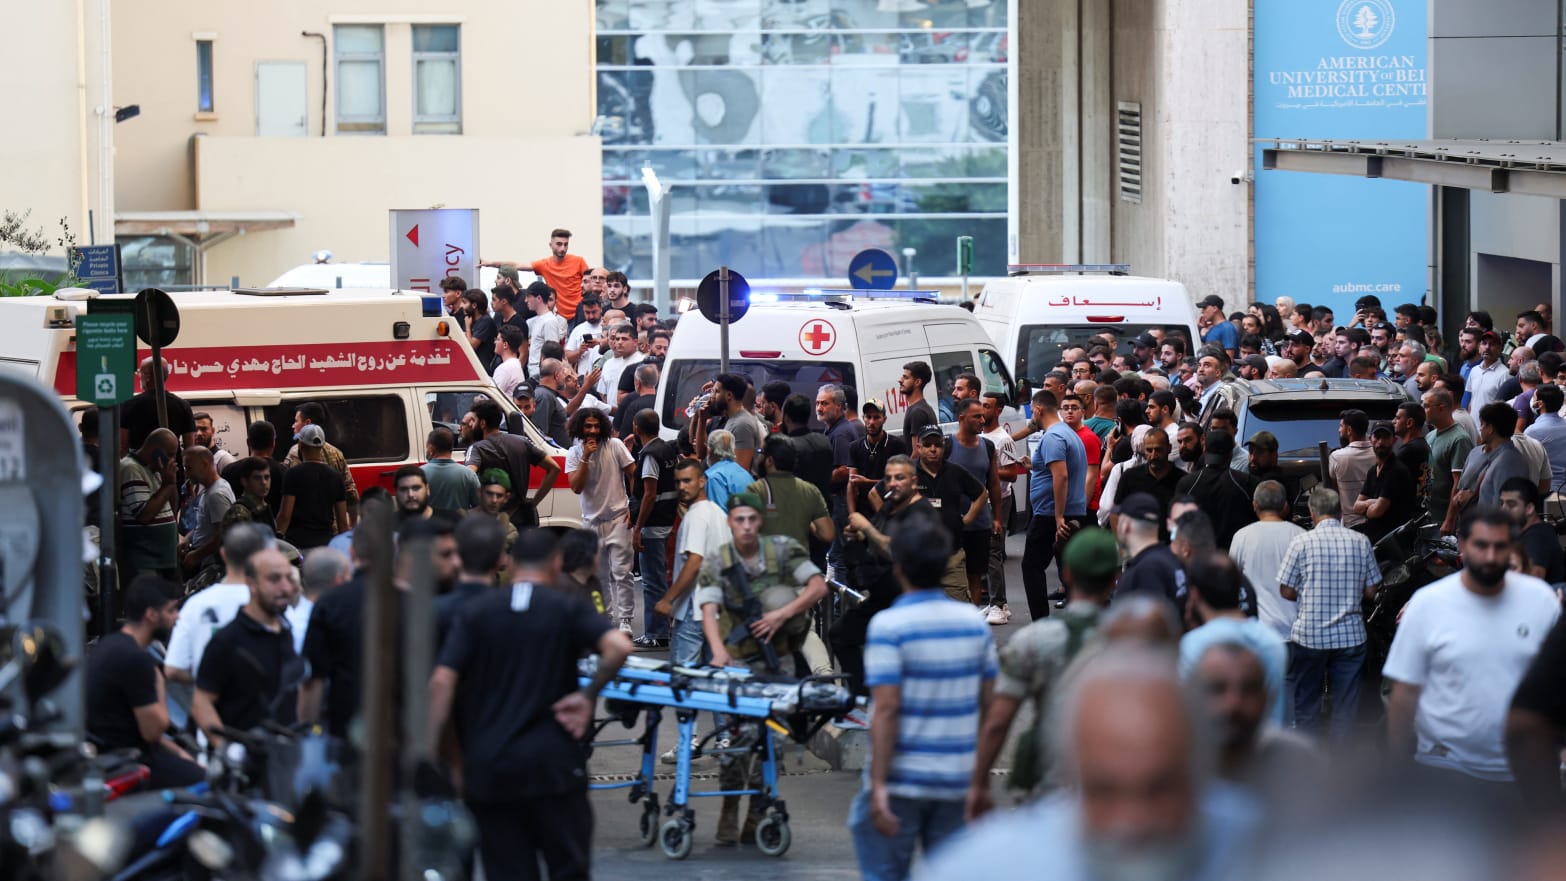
{"x":723,"y":297}
{"x":964,"y":262}
{"x":157,"y":325}
{"x":430,"y":244}
{"x":105,"y":376}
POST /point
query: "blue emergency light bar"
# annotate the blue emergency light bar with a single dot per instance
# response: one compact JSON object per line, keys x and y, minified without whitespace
{"x":1040,"y":268}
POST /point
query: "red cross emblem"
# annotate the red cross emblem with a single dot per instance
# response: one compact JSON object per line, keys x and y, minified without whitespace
{"x":817,"y":337}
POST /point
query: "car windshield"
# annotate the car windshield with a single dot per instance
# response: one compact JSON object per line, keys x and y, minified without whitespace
{"x":683,"y":381}
{"x":1039,"y":345}
{"x":1300,"y":425}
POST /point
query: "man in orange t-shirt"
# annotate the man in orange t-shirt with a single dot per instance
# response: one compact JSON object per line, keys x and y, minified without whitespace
{"x":560,"y":270}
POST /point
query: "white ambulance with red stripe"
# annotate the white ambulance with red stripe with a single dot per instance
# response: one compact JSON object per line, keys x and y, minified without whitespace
{"x":810,"y":340}
{"x":388,"y":366}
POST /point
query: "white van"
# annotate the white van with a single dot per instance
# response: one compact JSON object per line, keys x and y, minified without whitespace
{"x":1038,"y":311}
{"x":815,"y":341}
{"x":385,"y":365}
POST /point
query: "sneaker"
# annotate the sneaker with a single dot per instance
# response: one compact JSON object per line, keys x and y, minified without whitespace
{"x":998,"y":615}
{"x":984,"y":610}
{"x":649,"y":643}
{"x":625,"y":626}
{"x":669,"y":757}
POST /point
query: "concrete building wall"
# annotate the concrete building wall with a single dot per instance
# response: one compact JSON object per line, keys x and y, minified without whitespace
{"x":1138,"y":227}
{"x":352,"y":182}
{"x":523,"y":157}
{"x":60,"y":114}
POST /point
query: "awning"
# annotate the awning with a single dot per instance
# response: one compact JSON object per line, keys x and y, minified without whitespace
{"x":1529,"y":168}
{"x":199,"y":224}
{"x":201,"y":231}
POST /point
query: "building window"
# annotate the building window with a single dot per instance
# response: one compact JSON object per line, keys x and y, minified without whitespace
{"x":1128,"y":140}
{"x":361,"y":78}
{"x":204,"y":102}
{"x":437,"y":80}
{"x":156,"y":262}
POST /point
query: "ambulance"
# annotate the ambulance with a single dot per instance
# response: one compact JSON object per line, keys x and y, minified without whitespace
{"x":387,"y":366}
{"x":809,"y":341}
{"x":1039,"y":310}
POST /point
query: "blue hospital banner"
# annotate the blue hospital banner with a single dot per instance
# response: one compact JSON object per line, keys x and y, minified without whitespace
{"x":1340,"y":69}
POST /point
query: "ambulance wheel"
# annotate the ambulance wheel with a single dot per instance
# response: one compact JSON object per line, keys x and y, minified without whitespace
{"x":773,"y":836}
{"x":676,"y":839}
{"x":647,"y":826}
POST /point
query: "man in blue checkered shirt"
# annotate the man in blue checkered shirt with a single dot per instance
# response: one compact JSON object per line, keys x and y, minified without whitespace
{"x":1329,"y":570}
{"x":930,"y":664}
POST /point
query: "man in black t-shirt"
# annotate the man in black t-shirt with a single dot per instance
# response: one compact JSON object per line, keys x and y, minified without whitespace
{"x":495,"y":448}
{"x":508,"y":675}
{"x":655,"y":505}
{"x":249,"y":671}
{"x":1538,"y":547}
{"x":1151,"y":567}
{"x":261,"y":439}
{"x":1536,"y":723}
{"x":956,"y":495}
{"x":125,"y":701}
{"x":1157,"y":476}
{"x":1389,"y":496}
{"x":314,"y":506}
{"x":644,"y":393}
{"x":919,"y":414}
{"x":139,"y":415}
{"x":868,"y":456}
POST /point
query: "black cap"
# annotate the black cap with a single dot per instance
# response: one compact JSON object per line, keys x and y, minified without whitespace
{"x":931,"y":431}
{"x":1382,"y":427}
{"x":1144,"y":341}
{"x":1303,"y":337}
{"x":1210,"y":300}
{"x":1140,"y":506}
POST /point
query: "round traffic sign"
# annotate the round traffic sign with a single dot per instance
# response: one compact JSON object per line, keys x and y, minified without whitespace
{"x":708,"y":300}
{"x":157,"y":318}
{"x":872,"y":270}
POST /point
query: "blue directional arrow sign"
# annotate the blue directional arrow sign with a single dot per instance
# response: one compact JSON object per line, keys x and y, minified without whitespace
{"x":872,"y":270}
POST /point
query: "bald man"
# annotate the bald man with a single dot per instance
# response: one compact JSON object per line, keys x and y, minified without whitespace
{"x":1142,"y":803}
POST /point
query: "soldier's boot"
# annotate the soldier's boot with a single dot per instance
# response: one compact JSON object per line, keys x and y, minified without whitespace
{"x":728,"y":822}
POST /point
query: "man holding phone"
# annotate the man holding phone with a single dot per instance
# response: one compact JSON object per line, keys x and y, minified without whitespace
{"x":149,"y":490}
{"x":585,"y":337}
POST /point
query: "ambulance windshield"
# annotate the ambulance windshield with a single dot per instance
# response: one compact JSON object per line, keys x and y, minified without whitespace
{"x":683,"y":381}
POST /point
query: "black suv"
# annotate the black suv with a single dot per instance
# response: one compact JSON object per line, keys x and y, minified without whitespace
{"x":1302,"y":413}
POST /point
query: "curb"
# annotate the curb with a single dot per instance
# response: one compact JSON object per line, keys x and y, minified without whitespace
{"x":843,"y":749}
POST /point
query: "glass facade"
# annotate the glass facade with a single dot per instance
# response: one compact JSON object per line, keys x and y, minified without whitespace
{"x":796,"y":133}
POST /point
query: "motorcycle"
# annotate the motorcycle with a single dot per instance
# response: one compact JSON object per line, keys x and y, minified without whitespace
{"x":1409,"y":557}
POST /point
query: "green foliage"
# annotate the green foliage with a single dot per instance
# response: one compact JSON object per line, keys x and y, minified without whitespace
{"x":17,"y":235}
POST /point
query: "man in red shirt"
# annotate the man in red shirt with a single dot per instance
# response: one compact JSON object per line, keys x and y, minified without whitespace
{"x":1073,"y":412}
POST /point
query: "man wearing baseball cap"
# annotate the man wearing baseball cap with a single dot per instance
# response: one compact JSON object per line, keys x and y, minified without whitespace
{"x":1390,"y":496}
{"x":1298,"y":346}
{"x":1151,"y":567}
{"x":1144,"y":348}
{"x":1486,"y":377}
{"x":868,"y":455}
{"x":1218,"y":329}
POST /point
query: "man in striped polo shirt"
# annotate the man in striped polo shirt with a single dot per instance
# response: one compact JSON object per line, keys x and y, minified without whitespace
{"x":930,"y":664}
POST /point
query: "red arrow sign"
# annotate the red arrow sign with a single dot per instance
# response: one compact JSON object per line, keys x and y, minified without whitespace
{"x":413,"y":235}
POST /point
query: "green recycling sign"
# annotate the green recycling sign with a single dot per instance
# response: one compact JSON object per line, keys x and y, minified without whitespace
{"x":105,"y":358}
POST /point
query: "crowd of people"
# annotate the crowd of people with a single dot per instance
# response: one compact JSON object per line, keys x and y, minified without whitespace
{"x":1196,"y":648}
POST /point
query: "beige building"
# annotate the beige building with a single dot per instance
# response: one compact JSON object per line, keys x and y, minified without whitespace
{"x":270,"y":131}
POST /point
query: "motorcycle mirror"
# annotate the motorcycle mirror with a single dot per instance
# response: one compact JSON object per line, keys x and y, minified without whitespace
{"x":40,"y":646}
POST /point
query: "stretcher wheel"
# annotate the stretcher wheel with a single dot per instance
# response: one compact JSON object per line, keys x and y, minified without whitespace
{"x":676,"y":839}
{"x":647,"y":826}
{"x":773,"y":836}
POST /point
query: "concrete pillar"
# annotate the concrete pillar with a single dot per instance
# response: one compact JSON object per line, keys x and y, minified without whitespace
{"x":1061,"y":131}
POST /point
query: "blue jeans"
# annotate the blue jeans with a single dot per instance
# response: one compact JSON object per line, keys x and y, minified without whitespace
{"x":654,"y":560}
{"x":1342,"y":669}
{"x":925,"y":822}
{"x":689,"y":646}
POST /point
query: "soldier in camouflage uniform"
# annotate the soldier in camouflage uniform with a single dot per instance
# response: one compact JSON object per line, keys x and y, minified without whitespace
{"x":755,"y":594}
{"x":1033,"y":662}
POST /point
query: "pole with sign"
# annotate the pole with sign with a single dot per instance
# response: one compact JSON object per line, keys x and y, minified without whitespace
{"x":964,"y":262}
{"x":723,"y":297}
{"x":157,"y":324}
{"x":105,"y":376}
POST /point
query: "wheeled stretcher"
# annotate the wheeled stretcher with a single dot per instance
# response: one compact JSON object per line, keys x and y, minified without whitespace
{"x":643,"y":688}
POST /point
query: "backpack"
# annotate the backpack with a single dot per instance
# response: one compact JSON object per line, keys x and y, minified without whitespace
{"x":1029,"y":763}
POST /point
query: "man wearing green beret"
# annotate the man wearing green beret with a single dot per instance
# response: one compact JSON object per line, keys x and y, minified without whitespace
{"x":1035,"y":659}
{"x":741,"y":595}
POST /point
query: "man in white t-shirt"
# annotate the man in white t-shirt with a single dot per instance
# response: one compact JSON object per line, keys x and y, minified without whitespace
{"x":510,"y":343}
{"x":1258,"y":550}
{"x":585,"y":337}
{"x":544,"y":327}
{"x":622,"y":354}
{"x":1462,"y":647}
{"x":207,"y":611}
{"x":598,"y":465}
{"x":703,"y":530}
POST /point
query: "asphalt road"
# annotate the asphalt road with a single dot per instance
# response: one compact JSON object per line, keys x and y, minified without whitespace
{"x":817,"y":799}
